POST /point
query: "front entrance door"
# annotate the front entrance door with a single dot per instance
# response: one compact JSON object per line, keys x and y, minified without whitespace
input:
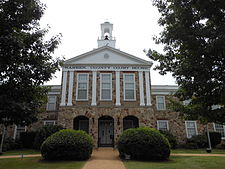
{"x":106,"y":135}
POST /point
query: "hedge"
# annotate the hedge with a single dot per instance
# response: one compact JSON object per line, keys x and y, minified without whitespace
{"x":67,"y":145}
{"x":143,"y":144}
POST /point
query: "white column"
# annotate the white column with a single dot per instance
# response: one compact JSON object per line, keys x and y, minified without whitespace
{"x":63,"y":97}
{"x":118,"y":88}
{"x":94,"y":82}
{"x":70,"y":92}
{"x":141,"y":88}
{"x":147,"y":84}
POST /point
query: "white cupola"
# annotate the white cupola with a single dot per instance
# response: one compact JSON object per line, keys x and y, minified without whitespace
{"x":106,"y":38}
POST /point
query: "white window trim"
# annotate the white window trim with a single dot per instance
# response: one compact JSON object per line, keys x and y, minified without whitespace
{"x":101,"y":86}
{"x":164,"y":100}
{"x":124,"y":87}
{"x":55,"y":103}
{"x":167,"y":124}
{"x":214,"y":126}
{"x":196,"y":127}
{"x":87,"y":87}
{"x":46,"y":121}
{"x":15,"y":131}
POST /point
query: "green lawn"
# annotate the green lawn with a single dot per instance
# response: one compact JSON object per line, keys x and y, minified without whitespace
{"x":21,"y":151}
{"x":180,"y":163}
{"x":37,"y":163}
{"x":198,"y":151}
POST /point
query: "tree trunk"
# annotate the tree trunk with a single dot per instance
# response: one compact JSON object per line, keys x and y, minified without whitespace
{"x":3,"y":136}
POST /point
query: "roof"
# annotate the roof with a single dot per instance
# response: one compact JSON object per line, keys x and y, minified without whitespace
{"x":97,"y":56}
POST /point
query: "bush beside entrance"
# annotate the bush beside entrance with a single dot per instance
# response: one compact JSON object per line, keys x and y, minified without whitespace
{"x":67,"y":145}
{"x":143,"y":144}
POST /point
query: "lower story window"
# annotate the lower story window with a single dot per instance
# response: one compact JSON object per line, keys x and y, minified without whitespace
{"x":49,"y":122}
{"x":17,"y":130}
{"x":130,"y":122}
{"x":191,"y":128}
{"x":220,"y":128}
{"x":81,"y":123}
{"x":163,"y":125}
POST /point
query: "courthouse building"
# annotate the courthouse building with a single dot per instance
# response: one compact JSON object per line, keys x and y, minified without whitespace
{"x":106,"y":91}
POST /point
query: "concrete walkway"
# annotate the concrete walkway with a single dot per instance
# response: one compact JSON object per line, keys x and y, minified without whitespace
{"x":20,"y":156}
{"x":104,"y":158}
{"x":197,"y":155}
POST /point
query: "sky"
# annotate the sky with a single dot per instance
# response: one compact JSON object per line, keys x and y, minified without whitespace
{"x":134,"y":25}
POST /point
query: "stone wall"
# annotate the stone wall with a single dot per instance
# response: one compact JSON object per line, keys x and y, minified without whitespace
{"x":147,"y":115}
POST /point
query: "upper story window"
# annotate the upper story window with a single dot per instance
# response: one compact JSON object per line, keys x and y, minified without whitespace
{"x":129,"y":87}
{"x":51,"y":105}
{"x":160,"y":103}
{"x":191,"y":128}
{"x":82,"y":86}
{"x":220,"y":128}
{"x":163,"y":125}
{"x":106,"y":86}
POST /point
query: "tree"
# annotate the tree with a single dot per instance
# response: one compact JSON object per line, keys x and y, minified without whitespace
{"x":26,"y":61}
{"x":194,"y":51}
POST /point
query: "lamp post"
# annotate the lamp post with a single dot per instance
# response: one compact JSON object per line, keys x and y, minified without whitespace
{"x":209,"y":149}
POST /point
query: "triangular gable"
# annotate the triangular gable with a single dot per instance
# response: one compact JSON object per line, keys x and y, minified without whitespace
{"x":107,"y":55}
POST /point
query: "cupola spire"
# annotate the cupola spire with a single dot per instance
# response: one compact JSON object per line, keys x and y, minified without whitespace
{"x":106,"y":38}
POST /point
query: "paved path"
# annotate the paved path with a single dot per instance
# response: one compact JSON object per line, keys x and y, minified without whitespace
{"x":197,"y":155}
{"x":104,"y":158}
{"x":20,"y":156}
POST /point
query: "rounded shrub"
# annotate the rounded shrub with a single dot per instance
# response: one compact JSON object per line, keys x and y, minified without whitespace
{"x":171,"y":138}
{"x":67,"y":145}
{"x":197,"y":141}
{"x":43,"y":133}
{"x":143,"y":144}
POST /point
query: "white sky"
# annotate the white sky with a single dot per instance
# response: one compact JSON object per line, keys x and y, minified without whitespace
{"x":134,"y":21}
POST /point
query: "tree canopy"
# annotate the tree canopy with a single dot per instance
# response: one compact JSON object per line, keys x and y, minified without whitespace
{"x":26,"y":61}
{"x":194,"y":51}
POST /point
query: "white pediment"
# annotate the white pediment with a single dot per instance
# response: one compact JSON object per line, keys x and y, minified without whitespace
{"x":106,"y":56}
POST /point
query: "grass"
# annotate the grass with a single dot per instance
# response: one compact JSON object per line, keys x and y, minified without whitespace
{"x":197,"y":151}
{"x":21,"y":151}
{"x":37,"y":163}
{"x":180,"y":162}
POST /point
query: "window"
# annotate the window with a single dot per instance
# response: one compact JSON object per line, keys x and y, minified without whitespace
{"x":191,"y":128}
{"x":186,"y":102}
{"x":220,"y":128}
{"x":49,"y":122}
{"x":81,"y":123}
{"x":17,"y":130}
{"x":130,"y":122}
{"x":106,"y":86}
{"x":51,"y":106}
{"x":160,"y":103}
{"x":163,"y":125}
{"x":82,"y":86}
{"x":129,"y":87}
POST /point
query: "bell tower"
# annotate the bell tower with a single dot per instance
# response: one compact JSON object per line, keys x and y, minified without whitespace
{"x":106,"y":38}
